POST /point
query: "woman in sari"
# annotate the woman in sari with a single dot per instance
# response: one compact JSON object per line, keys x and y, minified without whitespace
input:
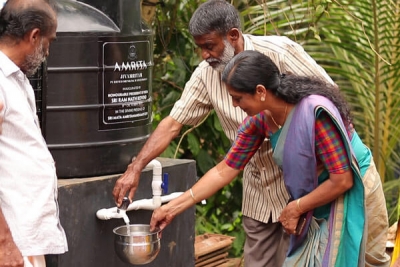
{"x":337,"y":215}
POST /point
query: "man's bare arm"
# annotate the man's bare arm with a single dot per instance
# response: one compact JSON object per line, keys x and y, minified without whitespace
{"x":158,"y":141}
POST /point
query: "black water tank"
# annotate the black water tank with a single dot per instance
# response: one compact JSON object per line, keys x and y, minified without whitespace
{"x":96,"y":102}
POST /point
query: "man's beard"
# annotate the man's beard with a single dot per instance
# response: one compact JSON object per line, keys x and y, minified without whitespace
{"x":227,"y":55}
{"x":33,"y":61}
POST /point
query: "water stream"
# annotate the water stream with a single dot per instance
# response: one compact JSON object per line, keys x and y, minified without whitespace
{"x":127,"y":222}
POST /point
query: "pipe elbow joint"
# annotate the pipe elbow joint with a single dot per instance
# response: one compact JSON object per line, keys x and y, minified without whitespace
{"x":103,"y":214}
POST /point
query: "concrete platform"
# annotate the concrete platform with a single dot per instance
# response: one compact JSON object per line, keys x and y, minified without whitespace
{"x":91,"y":241}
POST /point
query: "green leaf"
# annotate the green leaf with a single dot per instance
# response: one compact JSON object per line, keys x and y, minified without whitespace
{"x":204,"y":161}
{"x":319,"y":10}
{"x":194,"y":144}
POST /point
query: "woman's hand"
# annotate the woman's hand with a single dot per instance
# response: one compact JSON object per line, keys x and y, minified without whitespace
{"x":289,"y":218}
{"x":328,"y":191}
{"x":160,"y":218}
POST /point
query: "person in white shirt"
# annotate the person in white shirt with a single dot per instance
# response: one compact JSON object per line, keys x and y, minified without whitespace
{"x":29,"y":223}
{"x":1,"y":118}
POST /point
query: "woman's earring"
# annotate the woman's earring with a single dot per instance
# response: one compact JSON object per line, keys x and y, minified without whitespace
{"x":262,"y":98}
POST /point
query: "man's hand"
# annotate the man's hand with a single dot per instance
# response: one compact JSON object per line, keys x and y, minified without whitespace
{"x":10,"y":256}
{"x":158,"y":141}
{"x":129,"y":181}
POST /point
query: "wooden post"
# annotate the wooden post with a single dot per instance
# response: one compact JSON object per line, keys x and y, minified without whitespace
{"x":149,"y":10}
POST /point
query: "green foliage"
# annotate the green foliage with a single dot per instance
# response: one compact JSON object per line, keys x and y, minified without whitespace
{"x":362,"y":48}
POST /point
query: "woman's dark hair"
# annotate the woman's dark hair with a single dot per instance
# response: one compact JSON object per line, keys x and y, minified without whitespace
{"x":18,"y":18}
{"x":214,"y":16}
{"x":248,"y":69}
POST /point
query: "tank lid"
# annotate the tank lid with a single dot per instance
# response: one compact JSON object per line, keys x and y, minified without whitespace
{"x":74,"y":16}
{"x":2,"y":3}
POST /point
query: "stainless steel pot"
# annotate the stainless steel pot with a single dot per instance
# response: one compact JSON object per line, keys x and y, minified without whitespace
{"x":135,"y":244}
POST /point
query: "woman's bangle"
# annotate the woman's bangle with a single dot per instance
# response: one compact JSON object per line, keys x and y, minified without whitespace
{"x":298,"y":206}
{"x":192,"y":195}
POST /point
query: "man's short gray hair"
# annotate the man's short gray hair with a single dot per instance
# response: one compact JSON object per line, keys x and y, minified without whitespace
{"x":214,"y":16}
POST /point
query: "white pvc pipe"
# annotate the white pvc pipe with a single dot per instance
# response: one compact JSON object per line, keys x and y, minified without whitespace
{"x":145,"y":204}
{"x":157,"y":178}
